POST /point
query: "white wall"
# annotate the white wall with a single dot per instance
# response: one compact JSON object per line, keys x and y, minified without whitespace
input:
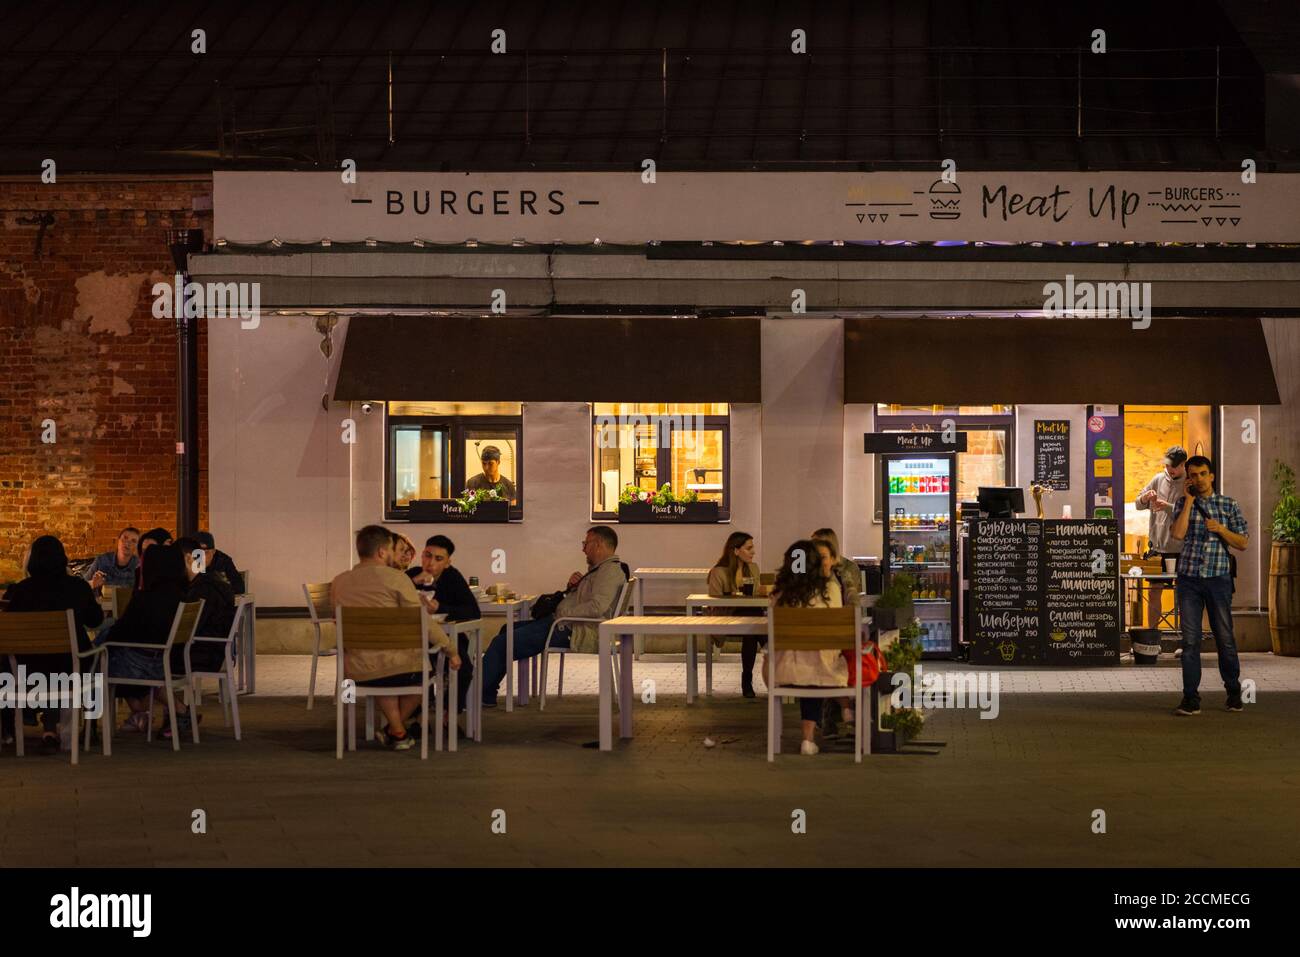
{"x":1076,"y":495}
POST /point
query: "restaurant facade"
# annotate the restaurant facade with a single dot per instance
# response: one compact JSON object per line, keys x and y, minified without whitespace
{"x":734,"y":336}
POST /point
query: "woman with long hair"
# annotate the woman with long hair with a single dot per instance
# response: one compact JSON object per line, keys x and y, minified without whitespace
{"x":734,"y":573}
{"x":845,"y":570}
{"x":49,"y":587}
{"x":806,"y":580}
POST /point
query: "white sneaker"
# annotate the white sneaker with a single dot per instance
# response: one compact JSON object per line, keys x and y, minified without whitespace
{"x":808,"y":747}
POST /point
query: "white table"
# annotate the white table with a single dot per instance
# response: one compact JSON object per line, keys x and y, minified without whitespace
{"x":642,"y":575}
{"x":624,"y":627}
{"x":517,"y":610}
{"x":693,"y":604}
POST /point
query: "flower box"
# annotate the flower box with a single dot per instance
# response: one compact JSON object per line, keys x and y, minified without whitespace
{"x":684,"y":513}
{"x":437,"y":510}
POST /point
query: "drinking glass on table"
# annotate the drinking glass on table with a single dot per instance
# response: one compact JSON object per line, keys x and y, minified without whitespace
{"x":747,"y":585}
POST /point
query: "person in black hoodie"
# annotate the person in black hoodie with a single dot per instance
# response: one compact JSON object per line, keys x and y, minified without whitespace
{"x":148,"y":620}
{"x":218,"y":609}
{"x":49,"y":587}
{"x":451,"y":597}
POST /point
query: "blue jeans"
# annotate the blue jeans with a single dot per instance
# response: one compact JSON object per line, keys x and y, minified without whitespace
{"x":530,"y":639}
{"x":1196,"y":595}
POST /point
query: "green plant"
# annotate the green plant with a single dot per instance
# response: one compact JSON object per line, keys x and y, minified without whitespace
{"x":664,"y":496}
{"x":902,"y":656}
{"x":1286,"y":514}
{"x":469,"y":501}
{"x":906,"y":722}
{"x":898,"y":593}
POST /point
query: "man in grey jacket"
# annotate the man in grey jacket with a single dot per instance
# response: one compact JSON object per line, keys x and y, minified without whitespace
{"x":590,"y":595}
{"x":1159,"y":496}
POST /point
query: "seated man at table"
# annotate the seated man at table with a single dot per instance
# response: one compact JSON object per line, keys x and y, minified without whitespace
{"x":592,"y":595}
{"x":218,"y":563}
{"x":116,"y":568}
{"x":374,"y":583}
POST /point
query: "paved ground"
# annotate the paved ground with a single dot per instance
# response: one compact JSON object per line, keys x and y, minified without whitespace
{"x":1218,"y":789}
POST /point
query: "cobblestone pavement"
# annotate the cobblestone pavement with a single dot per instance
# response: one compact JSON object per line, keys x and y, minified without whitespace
{"x":1216,"y":789}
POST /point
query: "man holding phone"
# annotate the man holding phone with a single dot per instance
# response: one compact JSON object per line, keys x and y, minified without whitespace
{"x":1208,"y":524}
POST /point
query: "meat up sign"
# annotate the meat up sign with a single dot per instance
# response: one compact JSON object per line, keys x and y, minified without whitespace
{"x":624,"y":208}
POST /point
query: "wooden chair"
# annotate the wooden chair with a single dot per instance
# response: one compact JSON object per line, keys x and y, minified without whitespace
{"x":184,"y":624}
{"x":54,"y":633}
{"x":318,"y":608}
{"x":620,"y":608}
{"x":386,"y":629}
{"x":813,"y":629}
{"x":227,"y":691}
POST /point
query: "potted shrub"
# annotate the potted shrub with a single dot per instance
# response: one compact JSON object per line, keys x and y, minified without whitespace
{"x":894,"y":607}
{"x":665,"y":505}
{"x":901,"y":657}
{"x":1284,"y":566}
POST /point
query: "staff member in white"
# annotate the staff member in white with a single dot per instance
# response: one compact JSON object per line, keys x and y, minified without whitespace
{"x":1159,"y":496}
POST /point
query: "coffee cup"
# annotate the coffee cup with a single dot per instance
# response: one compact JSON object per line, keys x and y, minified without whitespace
{"x":1170,"y":565}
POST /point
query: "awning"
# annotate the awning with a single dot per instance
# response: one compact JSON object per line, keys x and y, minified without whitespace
{"x":551,"y":359}
{"x":984,"y":360}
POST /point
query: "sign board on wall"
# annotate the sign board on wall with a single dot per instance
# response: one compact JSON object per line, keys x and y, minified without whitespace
{"x":1052,"y":453}
{"x":1105,"y":458}
{"x":621,"y":208}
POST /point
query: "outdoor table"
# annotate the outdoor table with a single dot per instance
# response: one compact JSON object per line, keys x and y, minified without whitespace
{"x":627,"y":625}
{"x":513,"y":611}
{"x":693,"y":604}
{"x":659,"y":574}
{"x":1164,"y":578}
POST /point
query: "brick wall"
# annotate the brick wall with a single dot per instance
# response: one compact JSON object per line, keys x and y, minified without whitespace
{"x":79,"y":345}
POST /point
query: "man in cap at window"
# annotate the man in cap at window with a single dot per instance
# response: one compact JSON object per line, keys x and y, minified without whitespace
{"x":1159,"y":496}
{"x":491,"y":476}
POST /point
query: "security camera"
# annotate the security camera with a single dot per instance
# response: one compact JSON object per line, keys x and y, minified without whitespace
{"x":367,"y":408}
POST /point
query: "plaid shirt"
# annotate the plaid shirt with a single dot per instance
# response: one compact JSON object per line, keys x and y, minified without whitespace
{"x":1205,"y":554}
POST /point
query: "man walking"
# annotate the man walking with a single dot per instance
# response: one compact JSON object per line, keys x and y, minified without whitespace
{"x":1208,"y":525}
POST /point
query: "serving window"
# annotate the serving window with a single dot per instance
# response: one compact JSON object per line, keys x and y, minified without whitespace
{"x":438,"y":450}
{"x":646,"y":445}
{"x":990,"y":433}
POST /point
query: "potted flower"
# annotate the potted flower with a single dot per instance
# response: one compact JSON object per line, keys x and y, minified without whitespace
{"x":1284,"y":566}
{"x":663,"y":505}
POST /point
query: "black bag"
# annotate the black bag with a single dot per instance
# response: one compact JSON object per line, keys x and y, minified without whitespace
{"x":545,"y":605}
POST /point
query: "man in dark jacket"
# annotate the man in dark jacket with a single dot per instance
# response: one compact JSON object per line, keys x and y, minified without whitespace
{"x":219,"y":563}
{"x":451,"y":597}
{"x":218,"y":611}
{"x":49,"y":587}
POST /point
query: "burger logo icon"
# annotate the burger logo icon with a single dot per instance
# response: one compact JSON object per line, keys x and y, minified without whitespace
{"x":945,"y":200}
{"x":1008,"y":650}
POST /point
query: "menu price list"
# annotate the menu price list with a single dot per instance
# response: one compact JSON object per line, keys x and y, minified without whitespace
{"x":1081,"y":582}
{"x":1045,"y":591}
{"x":1006,"y":588}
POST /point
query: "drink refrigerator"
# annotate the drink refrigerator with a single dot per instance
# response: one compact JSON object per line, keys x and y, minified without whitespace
{"x":919,"y":492}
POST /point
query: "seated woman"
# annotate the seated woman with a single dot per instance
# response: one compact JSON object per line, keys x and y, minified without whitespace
{"x":403,"y":552}
{"x":845,"y":570}
{"x":732,"y":574}
{"x":805,"y":582}
{"x":49,"y":587}
{"x":148,"y":620}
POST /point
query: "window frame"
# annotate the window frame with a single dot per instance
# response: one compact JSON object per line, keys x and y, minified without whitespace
{"x":985,"y":422}
{"x":664,"y":461}
{"x":454,"y":429}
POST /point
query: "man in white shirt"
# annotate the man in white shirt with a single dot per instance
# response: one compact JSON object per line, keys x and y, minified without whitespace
{"x":1159,"y":496}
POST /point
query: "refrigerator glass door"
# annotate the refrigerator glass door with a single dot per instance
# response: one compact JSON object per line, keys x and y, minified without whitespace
{"x":919,"y":492}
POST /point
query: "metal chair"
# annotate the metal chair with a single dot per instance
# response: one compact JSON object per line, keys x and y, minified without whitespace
{"x":227,"y":691}
{"x":53,"y":633}
{"x":318,"y":608}
{"x":620,"y":608}
{"x":386,"y":629}
{"x":184,"y":624}
{"x":812,"y":630}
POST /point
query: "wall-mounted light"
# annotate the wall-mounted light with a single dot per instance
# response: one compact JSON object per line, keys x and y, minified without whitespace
{"x":372,"y":242}
{"x":418,"y":243}
{"x":472,"y":243}
{"x":325,"y":243}
{"x":276,"y":242}
{"x":596,"y":241}
{"x":221,"y":242}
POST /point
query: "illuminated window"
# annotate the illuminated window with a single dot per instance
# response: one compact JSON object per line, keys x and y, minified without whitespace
{"x":648,"y":445}
{"x":437,"y":450}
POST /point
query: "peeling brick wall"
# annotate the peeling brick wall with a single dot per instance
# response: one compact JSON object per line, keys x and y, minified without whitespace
{"x":79,"y":345}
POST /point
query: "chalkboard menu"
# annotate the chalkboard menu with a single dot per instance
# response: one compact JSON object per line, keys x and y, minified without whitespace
{"x":1044,"y":591}
{"x":1052,"y":453}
